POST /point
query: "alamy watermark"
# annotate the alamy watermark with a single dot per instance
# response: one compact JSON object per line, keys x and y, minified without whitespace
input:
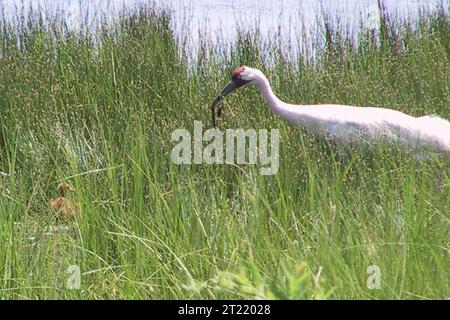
{"x":374,"y":279}
{"x":234,"y":146}
{"x":74,"y":278}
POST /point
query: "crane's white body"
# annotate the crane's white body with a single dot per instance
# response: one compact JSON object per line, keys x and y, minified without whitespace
{"x":356,"y":125}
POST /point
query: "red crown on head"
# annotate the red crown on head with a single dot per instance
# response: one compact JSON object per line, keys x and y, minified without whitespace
{"x":237,"y":73}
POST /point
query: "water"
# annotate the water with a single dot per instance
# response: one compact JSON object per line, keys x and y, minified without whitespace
{"x":286,"y":19}
{"x":284,"y":16}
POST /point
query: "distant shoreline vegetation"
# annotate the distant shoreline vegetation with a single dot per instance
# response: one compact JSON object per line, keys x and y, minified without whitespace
{"x":308,"y":42}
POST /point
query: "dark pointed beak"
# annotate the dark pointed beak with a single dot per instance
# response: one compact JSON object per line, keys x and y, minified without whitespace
{"x":230,"y":87}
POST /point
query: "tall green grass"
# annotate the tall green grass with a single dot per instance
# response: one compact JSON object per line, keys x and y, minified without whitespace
{"x":98,"y":111}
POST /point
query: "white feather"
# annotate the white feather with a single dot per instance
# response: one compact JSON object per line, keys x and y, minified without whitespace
{"x":359,"y":125}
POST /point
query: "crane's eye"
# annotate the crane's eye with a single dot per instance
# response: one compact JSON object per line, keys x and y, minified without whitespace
{"x":237,"y":73}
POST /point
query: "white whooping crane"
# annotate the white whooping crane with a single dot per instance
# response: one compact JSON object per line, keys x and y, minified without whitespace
{"x":426,"y":136}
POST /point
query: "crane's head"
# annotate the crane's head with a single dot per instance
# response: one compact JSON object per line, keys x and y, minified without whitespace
{"x":241,"y":77}
{"x":64,"y":186}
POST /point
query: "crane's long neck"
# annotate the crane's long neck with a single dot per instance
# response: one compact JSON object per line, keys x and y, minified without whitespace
{"x":271,"y":99}
{"x":294,"y":114}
